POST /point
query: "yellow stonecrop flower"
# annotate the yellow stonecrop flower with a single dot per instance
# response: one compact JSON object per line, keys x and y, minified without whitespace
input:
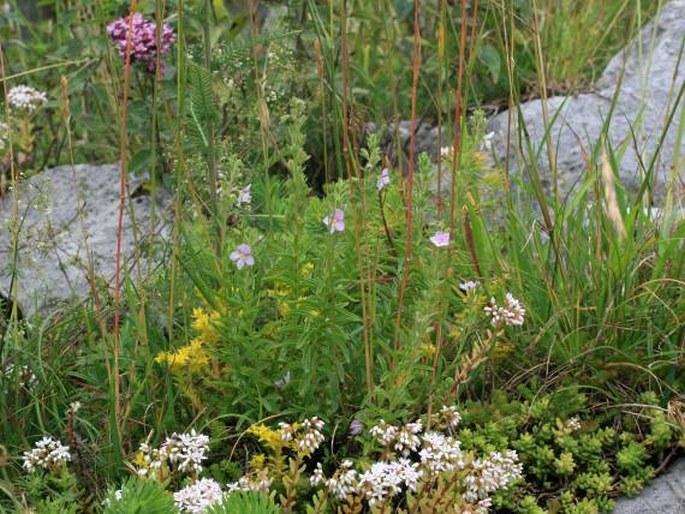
{"x":190,"y":358}
{"x":139,"y":460}
{"x":204,"y":324}
{"x":257,"y":462}
{"x":268,"y":437}
{"x":307,"y":268}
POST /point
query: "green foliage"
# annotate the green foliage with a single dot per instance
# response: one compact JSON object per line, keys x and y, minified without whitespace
{"x":138,"y":495}
{"x":369,"y":322}
{"x":247,"y":503}
{"x":203,"y":111}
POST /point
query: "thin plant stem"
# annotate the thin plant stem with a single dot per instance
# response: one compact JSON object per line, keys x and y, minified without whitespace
{"x":416,"y":68}
{"x":456,"y":141}
{"x":114,"y":375}
{"x":211,"y":157}
{"x":350,"y":165}
{"x":15,"y":222}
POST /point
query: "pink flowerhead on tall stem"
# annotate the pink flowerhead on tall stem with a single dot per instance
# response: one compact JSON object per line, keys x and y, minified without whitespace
{"x":143,"y":39}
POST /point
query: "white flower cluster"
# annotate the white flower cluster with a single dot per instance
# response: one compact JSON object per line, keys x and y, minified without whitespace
{"x":48,"y":454}
{"x":440,"y":453}
{"x":385,"y":479}
{"x":307,"y":435}
{"x":494,"y":472}
{"x":187,"y":451}
{"x":384,"y":432}
{"x":183,"y":452}
{"x":403,"y":440}
{"x":342,"y":484}
{"x":25,"y":98}
{"x":198,"y":497}
{"x":312,"y":438}
{"x":435,"y":453}
{"x":512,"y":313}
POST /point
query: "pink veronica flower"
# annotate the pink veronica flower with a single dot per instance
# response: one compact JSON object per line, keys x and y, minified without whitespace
{"x":245,"y":195}
{"x":335,"y":221}
{"x":383,"y":180}
{"x":440,"y":239}
{"x":242,"y":256}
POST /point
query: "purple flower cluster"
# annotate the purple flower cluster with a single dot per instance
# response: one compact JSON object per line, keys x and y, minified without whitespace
{"x":143,"y":39}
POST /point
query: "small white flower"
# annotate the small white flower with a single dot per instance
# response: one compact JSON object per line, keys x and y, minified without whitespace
{"x":312,"y":438}
{"x":384,"y":432}
{"x":451,"y":417}
{"x":344,"y":482}
{"x":385,"y":480}
{"x":255,"y":482}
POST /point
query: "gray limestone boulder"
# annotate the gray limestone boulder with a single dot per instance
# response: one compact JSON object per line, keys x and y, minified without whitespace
{"x":58,"y":229}
{"x":636,"y":103}
{"x":665,"y":495}
{"x":632,"y":103}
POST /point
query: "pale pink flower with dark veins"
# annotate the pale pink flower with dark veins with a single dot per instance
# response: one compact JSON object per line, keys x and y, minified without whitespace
{"x":383,"y":180}
{"x":440,"y":239}
{"x":245,"y":195}
{"x":242,"y":256}
{"x":335,"y":221}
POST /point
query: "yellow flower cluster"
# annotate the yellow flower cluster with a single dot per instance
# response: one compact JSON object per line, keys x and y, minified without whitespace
{"x":193,"y":358}
{"x":190,"y":358}
{"x":268,"y":437}
{"x":205,"y":325}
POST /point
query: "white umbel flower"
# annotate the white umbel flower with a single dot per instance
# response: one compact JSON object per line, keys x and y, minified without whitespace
{"x":25,"y":98}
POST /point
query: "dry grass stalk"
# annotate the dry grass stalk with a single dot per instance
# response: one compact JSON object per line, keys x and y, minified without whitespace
{"x":610,"y":201}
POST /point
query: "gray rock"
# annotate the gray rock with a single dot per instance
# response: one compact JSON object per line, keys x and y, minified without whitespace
{"x":54,"y":233}
{"x":645,"y":79}
{"x":665,"y":495}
